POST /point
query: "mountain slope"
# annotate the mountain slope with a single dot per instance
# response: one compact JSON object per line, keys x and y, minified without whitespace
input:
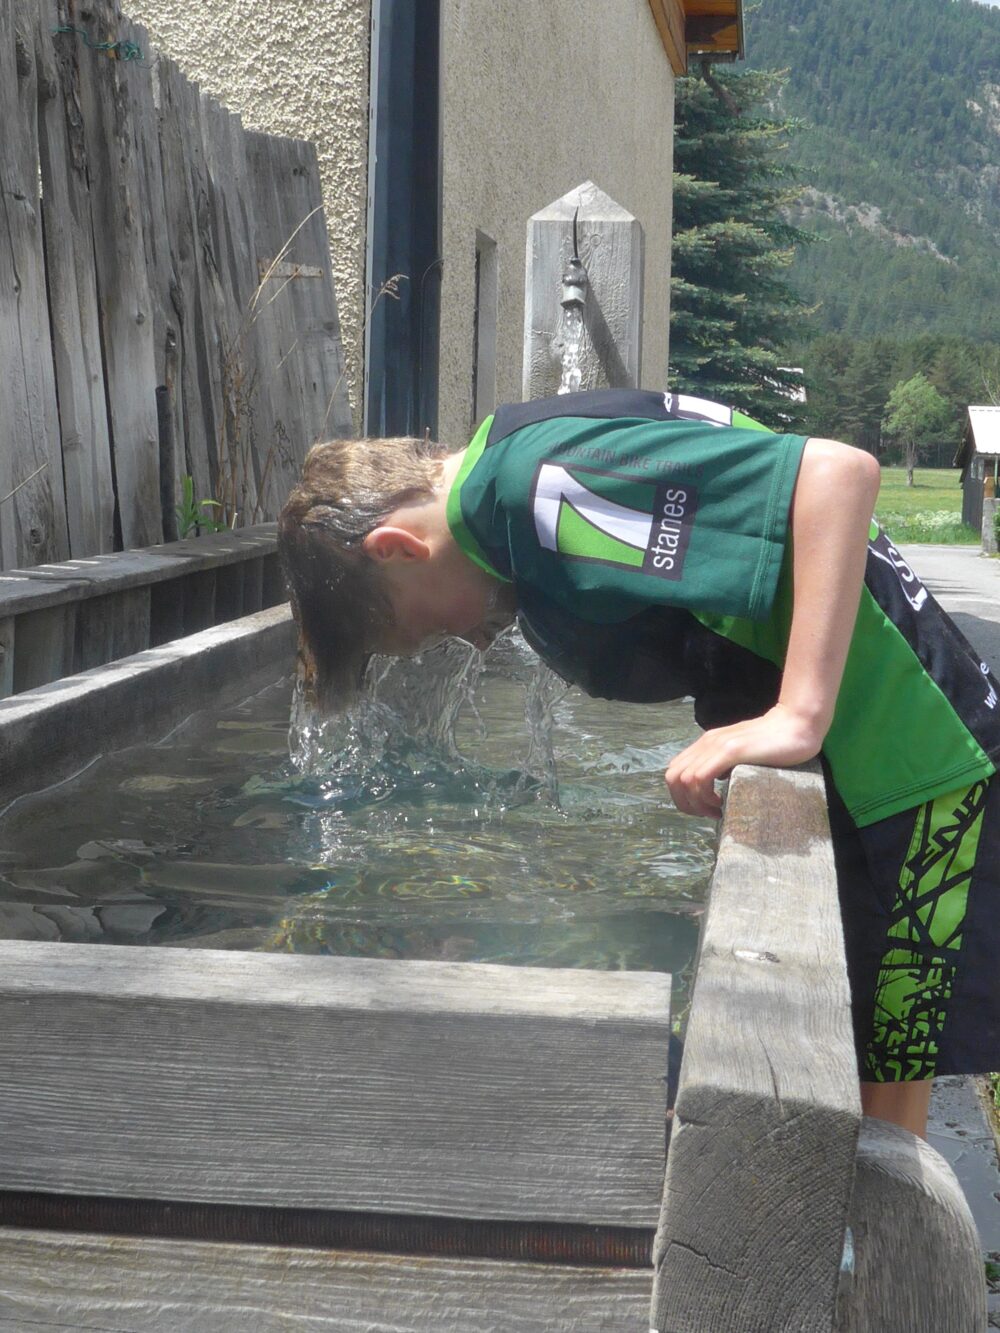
{"x":901,"y":156}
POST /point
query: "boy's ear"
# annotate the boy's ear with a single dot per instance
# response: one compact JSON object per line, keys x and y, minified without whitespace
{"x":391,"y":543}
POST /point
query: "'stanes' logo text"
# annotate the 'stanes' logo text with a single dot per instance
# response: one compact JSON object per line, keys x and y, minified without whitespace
{"x":614,"y":519}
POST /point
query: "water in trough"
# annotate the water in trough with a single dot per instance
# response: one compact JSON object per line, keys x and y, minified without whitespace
{"x":473,"y":809}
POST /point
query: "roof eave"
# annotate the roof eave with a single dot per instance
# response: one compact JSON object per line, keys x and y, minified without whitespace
{"x":699,"y":30}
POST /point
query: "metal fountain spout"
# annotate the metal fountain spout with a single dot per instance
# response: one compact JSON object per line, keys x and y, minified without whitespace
{"x":574,"y":279}
{"x":569,"y":342}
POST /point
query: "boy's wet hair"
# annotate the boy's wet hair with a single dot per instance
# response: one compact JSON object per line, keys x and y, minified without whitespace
{"x":348,"y":487}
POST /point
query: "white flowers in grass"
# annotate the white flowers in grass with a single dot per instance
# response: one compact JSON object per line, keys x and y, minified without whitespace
{"x":928,"y":525}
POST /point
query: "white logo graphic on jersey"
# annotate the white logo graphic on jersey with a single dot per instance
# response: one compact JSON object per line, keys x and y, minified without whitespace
{"x":573,"y":517}
{"x":991,"y":698}
{"x":555,"y":485}
{"x":686,"y":406}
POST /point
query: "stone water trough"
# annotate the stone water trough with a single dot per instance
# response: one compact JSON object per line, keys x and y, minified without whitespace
{"x":194,"y":1139}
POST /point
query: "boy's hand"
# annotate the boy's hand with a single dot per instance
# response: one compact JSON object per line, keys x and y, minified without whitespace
{"x":778,"y":738}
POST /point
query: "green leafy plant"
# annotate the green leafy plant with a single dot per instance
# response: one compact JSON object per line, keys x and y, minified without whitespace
{"x":195,"y":516}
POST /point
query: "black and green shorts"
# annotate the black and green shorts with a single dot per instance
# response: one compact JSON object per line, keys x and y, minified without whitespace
{"x":920,"y":901}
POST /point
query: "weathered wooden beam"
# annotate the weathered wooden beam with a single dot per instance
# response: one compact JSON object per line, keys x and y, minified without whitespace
{"x":766,"y":1119}
{"x":914,"y":1259}
{"x":429,"y":1089}
{"x":63,"y":1281}
{"x":53,"y":731}
{"x":23,"y":590}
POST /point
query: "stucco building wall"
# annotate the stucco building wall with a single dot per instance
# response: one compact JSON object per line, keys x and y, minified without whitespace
{"x":299,"y":70}
{"x":539,"y":97}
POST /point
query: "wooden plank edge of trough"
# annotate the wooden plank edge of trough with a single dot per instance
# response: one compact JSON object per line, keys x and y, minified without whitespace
{"x":450,"y":1090}
{"x":767,"y":1114}
{"x":41,"y":586}
{"x":50,"y":733}
{"x":783,"y":1207}
{"x":58,"y":1281}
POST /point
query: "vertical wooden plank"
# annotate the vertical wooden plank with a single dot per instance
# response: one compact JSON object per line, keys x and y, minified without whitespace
{"x":69,"y":260}
{"x":297,"y":325}
{"x":7,"y":630}
{"x":229,"y":592}
{"x":253,"y":586}
{"x":108,"y":92}
{"x":186,"y":203}
{"x":45,"y":643}
{"x":149,"y":179}
{"x":274,"y":590}
{"x":166,"y":611}
{"x":107,"y":628}
{"x":199,"y":601}
{"x":160,"y":272}
{"x":32,"y":511}
{"x":244,"y":383}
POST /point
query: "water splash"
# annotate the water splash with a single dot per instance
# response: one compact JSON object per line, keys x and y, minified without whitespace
{"x":413,"y":728}
{"x":571,"y":335}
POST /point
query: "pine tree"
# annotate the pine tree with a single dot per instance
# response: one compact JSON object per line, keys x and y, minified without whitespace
{"x":731,"y":307}
{"x":864,"y":390}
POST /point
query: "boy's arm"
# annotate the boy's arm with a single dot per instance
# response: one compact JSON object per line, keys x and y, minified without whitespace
{"x":830,"y":516}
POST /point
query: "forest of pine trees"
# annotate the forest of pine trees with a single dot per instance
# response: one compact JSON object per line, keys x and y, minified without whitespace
{"x":871,"y":183}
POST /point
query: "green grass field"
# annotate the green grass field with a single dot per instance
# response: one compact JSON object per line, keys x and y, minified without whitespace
{"x":928,"y":511}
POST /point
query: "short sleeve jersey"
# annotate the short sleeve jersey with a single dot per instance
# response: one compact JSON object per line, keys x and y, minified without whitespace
{"x":610,"y":501}
{"x":635,"y":521}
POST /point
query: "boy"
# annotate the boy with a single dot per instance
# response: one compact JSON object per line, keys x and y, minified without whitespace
{"x":653,"y":547}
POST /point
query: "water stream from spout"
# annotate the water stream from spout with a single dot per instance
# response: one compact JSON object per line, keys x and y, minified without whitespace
{"x":571,"y":336}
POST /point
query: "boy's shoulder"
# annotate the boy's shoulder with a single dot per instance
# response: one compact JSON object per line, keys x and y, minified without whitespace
{"x":616,"y":404}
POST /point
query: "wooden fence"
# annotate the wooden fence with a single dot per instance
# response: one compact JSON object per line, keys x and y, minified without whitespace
{"x":147,"y":241}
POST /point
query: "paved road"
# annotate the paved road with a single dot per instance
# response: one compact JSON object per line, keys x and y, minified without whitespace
{"x":967,"y":584}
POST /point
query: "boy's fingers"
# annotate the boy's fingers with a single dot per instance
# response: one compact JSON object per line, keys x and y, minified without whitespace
{"x":691,"y":780}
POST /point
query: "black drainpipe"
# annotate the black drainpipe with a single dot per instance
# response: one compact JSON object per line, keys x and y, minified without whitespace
{"x":404,"y":218}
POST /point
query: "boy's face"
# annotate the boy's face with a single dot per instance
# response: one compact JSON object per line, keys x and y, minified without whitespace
{"x":444,"y":595}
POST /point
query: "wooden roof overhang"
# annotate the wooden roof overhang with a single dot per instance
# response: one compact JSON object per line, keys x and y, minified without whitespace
{"x":694,"y":29}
